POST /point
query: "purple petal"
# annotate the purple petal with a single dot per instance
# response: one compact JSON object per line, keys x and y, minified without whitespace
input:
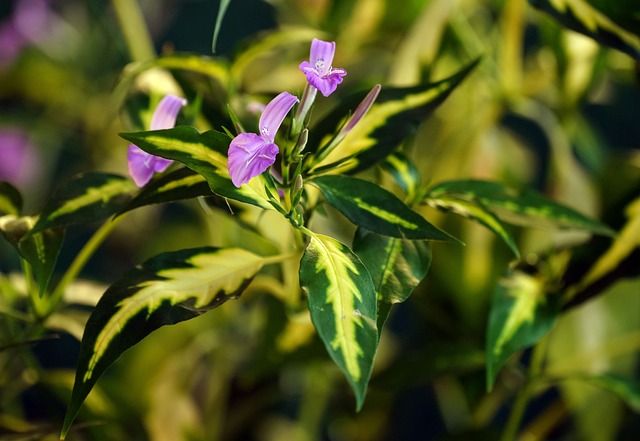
{"x":140,"y":165}
{"x":249,"y":156}
{"x":327,"y":84}
{"x":274,"y":114}
{"x":19,"y":162}
{"x":165,"y":115}
{"x":321,"y":55}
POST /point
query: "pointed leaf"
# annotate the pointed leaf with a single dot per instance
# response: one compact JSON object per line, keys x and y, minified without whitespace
{"x":40,"y":249}
{"x":394,"y":117}
{"x":180,"y":184}
{"x":626,"y":388}
{"x":204,"y":153}
{"x":10,"y":199}
{"x":521,"y":314}
{"x":165,"y":290}
{"x":342,"y":301}
{"x":222,"y":10}
{"x":476,"y":211}
{"x":404,"y":172}
{"x":613,"y":23}
{"x":524,"y":207}
{"x":86,"y":198}
{"x":396,"y":266}
{"x":370,"y":206}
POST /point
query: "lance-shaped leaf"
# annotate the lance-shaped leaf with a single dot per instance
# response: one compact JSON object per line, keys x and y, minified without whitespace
{"x":404,"y":173}
{"x":10,"y":199}
{"x":206,"y":154}
{"x":627,"y":389}
{"x":524,"y":207}
{"x":342,"y":301}
{"x":612,"y":23}
{"x":395,"y":115}
{"x":87,"y":198}
{"x":165,"y":290}
{"x":474,"y":210}
{"x":375,"y":209}
{"x":180,"y":184}
{"x":40,"y":250}
{"x":521,"y":314}
{"x":396,"y":266}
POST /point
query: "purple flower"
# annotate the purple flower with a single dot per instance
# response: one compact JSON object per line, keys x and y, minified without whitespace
{"x":251,"y":154}
{"x":318,"y":69}
{"x":143,"y":165}
{"x":19,"y":162}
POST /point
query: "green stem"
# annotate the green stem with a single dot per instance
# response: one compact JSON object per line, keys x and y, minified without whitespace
{"x":80,"y":261}
{"x":134,"y":29}
{"x":32,"y":291}
{"x":524,"y":396}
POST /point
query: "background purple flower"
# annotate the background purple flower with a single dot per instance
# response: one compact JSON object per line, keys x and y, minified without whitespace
{"x":143,"y":165}
{"x":19,"y":162}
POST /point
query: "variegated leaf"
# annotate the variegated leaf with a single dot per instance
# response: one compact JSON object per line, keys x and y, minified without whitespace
{"x":183,"y":183}
{"x":373,"y":208}
{"x":165,"y":290}
{"x":404,"y":173}
{"x":206,"y":154}
{"x":40,"y":250}
{"x":628,"y":389}
{"x":524,"y":207}
{"x":342,"y":301}
{"x":476,"y":211}
{"x":394,"y":117}
{"x":10,"y":199}
{"x":396,"y":266}
{"x":87,"y":198}
{"x":613,"y":23}
{"x":521,"y":313}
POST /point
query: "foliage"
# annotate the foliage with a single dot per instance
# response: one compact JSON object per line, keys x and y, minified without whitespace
{"x":434,"y":221}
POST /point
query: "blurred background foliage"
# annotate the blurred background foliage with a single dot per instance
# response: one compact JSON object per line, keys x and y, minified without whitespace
{"x":547,"y":108}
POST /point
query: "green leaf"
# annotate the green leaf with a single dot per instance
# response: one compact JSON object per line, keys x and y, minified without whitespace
{"x":370,"y":206}
{"x":613,"y":23}
{"x":626,"y":388}
{"x":40,"y":250}
{"x":396,"y":266}
{"x":524,"y":207}
{"x":224,"y":4}
{"x":10,"y":199}
{"x":342,"y":301}
{"x":165,"y":290}
{"x":521,"y":314}
{"x":206,"y":154}
{"x":86,"y":198}
{"x":474,"y":210}
{"x":394,"y":117}
{"x":404,"y":173}
{"x":180,"y":184}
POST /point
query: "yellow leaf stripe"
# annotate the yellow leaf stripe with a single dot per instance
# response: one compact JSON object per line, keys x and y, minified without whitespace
{"x":195,"y":150}
{"x":210,"y":275}
{"x":92,"y":196}
{"x":386,"y":215}
{"x":341,"y":294}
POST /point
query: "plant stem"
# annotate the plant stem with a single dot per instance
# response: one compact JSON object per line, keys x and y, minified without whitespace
{"x":134,"y":29}
{"x":80,"y":261}
{"x":524,"y":396}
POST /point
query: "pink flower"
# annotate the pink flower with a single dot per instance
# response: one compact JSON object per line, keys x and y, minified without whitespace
{"x":318,"y":69}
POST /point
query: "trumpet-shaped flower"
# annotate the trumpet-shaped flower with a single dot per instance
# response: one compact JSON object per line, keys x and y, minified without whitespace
{"x":143,"y":165}
{"x":250,"y":154}
{"x":318,"y":69}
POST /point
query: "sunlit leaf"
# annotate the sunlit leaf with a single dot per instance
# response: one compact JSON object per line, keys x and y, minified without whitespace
{"x":627,"y":389}
{"x":394,"y":117}
{"x":521,"y":314}
{"x":404,"y":172}
{"x":87,"y":198}
{"x":10,"y":199}
{"x":206,"y":154}
{"x":612,"y":23}
{"x":40,"y":250}
{"x":180,"y":184}
{"x":342,"y":301}
{"x":396,"y":266}
{"x":474,"y":210}
{"x":222,"y":10}
{"x":524,"y":207}
{"x":165,"y":290}
{"x":370,"y":206}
